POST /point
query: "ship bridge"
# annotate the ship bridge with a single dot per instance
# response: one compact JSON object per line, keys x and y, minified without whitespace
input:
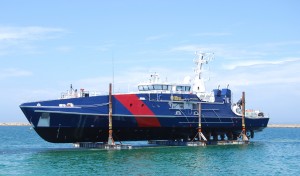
{"x":155,"y":86}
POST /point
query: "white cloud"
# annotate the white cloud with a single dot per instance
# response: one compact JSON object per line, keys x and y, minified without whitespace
{"x":128,"y":79}
{"x":26,"y":94}
{"x":213,"y":34}
{"x":187,"y":48}
{"x":28,"y":33}
{"x":278,"y":72}
{"x":279,"y":44}
{"x":64,"y":49}
{"x":228,"y":51}
{"x":22,"y":39}
{"x":104,"y":47}
{"x":14,"y":72}
{"x":250,"y":63}
{"x":157,"y":37}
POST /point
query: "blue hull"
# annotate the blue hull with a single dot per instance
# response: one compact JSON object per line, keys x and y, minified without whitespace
{"x":135,"y":117}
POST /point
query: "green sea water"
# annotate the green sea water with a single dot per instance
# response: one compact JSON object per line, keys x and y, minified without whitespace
{"x":275,"y":151}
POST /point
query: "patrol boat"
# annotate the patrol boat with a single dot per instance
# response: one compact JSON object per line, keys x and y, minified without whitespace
{"x":158,"y":111}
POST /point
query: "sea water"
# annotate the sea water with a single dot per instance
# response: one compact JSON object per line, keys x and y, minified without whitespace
{"x":275,"y":151}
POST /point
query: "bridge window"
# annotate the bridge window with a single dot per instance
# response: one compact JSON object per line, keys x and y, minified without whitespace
{"x":140,"y":88}
{"x":167,"y":87}
{"x":150,"y":87}
{"x":179,"y":88}
{"x":157,"y":87}
{"x":183,"y":88}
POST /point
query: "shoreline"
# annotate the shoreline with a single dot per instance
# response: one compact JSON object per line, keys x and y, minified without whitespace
{"x":283,"y":125}
{"x":269,"y":126}
{"x":15,"y":124}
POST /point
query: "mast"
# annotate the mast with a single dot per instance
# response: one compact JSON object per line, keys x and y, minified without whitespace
{"x":200,"y":60}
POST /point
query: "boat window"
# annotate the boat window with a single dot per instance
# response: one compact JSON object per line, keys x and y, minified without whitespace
{"x":157,"y":87}
{"x":150,"y":87}
{"x":140,"y":88}
{"x":165,"y":87}
{"x":179,"y":88}
{"x":183,"y":88}
{"x":177,"y":106}
{"x":145,"y":88}
{"x":195,"y":106}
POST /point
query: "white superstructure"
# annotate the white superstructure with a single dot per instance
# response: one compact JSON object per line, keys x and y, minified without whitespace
{"x":196,"y":85}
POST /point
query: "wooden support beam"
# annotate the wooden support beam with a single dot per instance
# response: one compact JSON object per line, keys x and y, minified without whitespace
{"x":110,"y":129}
{"x":244,"y":136}
{"x":201,"y":136}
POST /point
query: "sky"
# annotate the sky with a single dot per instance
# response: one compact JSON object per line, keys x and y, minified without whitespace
{"x":47,"y":45}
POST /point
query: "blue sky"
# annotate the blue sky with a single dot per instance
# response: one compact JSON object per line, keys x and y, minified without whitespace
{"x":47,"y":45}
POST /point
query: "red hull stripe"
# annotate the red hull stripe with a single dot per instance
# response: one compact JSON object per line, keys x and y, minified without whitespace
{"x":137,"y":108}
